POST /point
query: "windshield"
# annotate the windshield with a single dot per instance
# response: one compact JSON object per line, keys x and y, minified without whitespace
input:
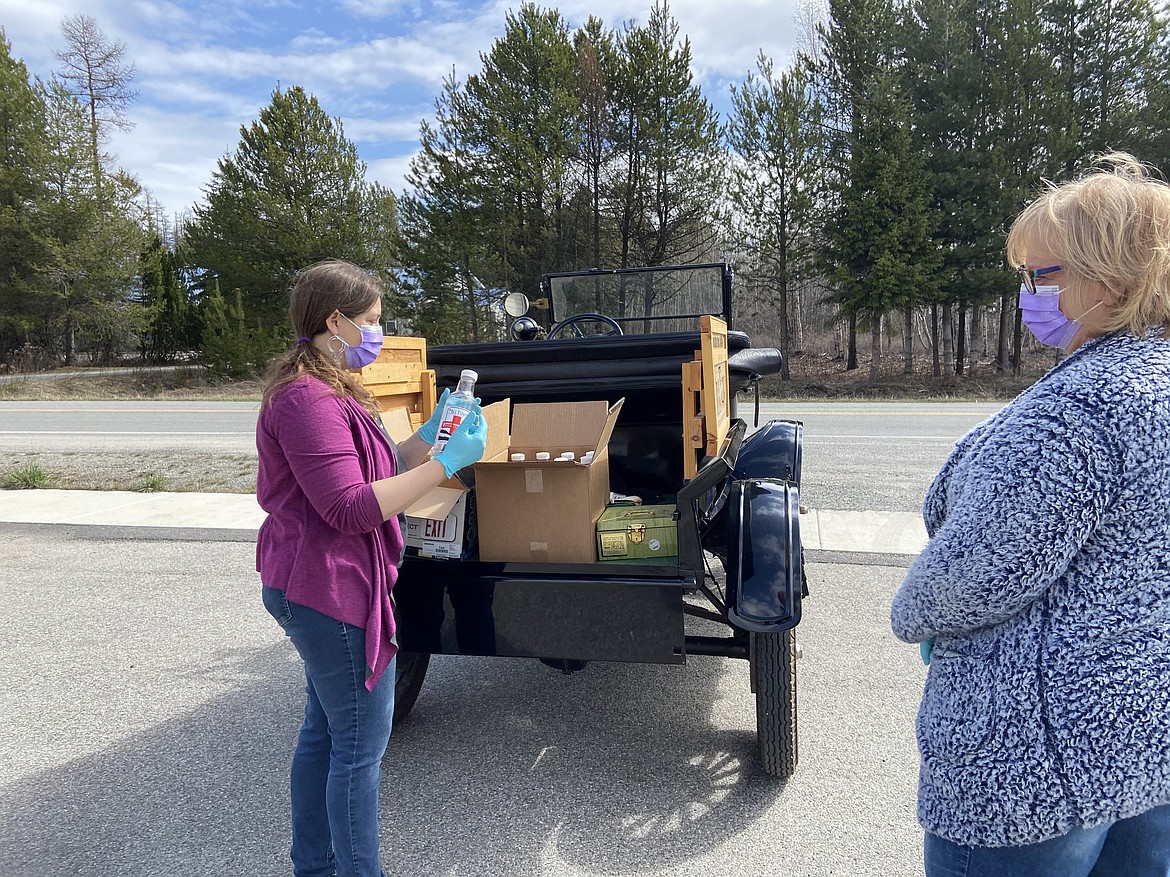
{"x":645,"y":300}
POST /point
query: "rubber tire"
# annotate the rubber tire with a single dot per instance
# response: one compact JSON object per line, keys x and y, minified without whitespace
{"x":772,"y":660}
{"x":411,"y":670}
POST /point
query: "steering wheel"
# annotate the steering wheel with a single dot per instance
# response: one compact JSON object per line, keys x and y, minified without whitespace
{"x":574,"y":322}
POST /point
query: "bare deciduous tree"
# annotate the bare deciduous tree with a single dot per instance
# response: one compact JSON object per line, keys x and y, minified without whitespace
{"x":94,"y":72}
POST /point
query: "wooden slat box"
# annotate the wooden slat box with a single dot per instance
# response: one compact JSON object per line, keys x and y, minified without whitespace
{"x":399,"y":378}
{"x":706,"y":396}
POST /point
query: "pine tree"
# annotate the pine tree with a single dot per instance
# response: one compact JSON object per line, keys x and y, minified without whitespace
{"x":22,"y":157}
{"x":94,"y":72}
{"x":956,"y":121}
{"x":442,"y":245}
{"x":170,"y":318}
{"x":522,"y":126}
{"x":669,"y":158}
{"x":775,"y":133}
{"x":293,"y":193}
{"x":879,"y":247}
{"x":94,"y":235}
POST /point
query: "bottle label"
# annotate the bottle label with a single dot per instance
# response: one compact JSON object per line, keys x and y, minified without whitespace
{"x":452,"y":417}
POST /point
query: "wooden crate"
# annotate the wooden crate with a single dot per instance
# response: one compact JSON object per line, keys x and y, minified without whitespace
{"x":706,"y":396}
{"x":399,"y":378}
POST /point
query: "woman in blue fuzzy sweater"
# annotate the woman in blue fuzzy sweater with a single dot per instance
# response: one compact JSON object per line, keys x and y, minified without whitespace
{"x":1042,"y":599}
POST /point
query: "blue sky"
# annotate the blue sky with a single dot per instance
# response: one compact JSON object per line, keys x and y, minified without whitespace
{"x":203,"y":69}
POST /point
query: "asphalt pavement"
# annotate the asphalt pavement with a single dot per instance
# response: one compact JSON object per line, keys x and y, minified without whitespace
{"x":150,"y":707}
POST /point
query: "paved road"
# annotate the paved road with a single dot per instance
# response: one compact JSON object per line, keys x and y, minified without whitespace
{"x":224,"y":427}
{"x":858,"y":455}
{"x":150,"y":706}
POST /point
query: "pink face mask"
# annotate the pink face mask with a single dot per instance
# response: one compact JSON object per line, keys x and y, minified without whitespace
{"x":1042,"y":315}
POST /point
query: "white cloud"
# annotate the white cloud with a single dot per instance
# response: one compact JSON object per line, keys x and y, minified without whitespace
{"x":173,"y":155}
{"x":382,"y":130}
{"x":390,"y":172}
{"x":162,"y":15}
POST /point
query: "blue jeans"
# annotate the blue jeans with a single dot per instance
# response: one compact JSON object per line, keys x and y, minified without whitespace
{"x":338,"y":759}
{"x":1134,"y":847}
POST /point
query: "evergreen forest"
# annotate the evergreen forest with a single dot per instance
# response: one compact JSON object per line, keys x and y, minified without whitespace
{"x":860,"y":190}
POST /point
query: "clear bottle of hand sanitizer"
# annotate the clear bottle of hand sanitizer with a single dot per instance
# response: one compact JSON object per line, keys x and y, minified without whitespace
{"x":458,"y":406}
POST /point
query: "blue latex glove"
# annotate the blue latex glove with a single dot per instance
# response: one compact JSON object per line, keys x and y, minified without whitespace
{"x":465,"y":446}
{"x":429,"y":431}
{"x":925,"y":648}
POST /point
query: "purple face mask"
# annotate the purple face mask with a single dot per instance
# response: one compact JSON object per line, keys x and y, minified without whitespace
{"x":1042,"y":315}
{"x":368,"y":350}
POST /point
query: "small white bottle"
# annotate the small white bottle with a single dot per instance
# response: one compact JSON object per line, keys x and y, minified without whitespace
{"x":542,"y":455}
{"x":458,"y":406}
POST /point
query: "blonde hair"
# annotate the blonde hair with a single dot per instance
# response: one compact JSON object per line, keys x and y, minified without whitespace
{"x":1111,"y":226}
{"x":316,"y":292}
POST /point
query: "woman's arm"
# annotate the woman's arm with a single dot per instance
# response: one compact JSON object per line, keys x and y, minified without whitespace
{"x":395,"y":494}
{"x":413,"y":451}
{"x":1031,"y":497}
{"x":465,"y":447}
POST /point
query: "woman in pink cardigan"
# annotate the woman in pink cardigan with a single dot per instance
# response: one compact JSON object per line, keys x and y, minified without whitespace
{"x":328,"y":553}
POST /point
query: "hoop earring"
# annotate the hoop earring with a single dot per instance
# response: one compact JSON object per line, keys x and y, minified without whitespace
{"x":336,"y":354}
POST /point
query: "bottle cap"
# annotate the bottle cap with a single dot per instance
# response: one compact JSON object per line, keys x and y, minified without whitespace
{"x":543,"y":455}
{"x":567,"y":455}
{"x":469,"y":374}
{"x":518,"y":458}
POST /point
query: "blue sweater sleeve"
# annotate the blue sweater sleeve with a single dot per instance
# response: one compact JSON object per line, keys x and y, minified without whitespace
{"x":317,"y":439}
{"x":1019,"y":504}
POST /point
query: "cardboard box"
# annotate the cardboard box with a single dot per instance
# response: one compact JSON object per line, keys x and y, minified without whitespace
{"x":442,"y":522}
{"x":547,"y":511}
{"x":451,"y":537}
{"x":630,"y":532}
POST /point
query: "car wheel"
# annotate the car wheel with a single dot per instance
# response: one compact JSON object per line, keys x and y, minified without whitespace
{"x":411,"y":669}
{"x":772,"y":659}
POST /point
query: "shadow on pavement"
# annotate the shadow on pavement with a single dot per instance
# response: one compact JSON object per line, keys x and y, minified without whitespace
{"x":598,"y":770}
{"x":506,"y":767}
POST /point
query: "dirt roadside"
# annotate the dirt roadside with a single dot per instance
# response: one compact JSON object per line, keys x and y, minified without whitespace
{"x":813,"y":378}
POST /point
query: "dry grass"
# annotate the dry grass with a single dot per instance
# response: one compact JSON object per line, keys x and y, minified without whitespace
{"x":139,"y":470}
{"x":813,"y":378}
{"x":177,"y":384}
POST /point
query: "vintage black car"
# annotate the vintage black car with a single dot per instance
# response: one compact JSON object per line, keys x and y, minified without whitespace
{"x":626,"y":335}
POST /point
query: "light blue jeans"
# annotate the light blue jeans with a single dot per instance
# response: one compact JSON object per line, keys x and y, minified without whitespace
{"x":1134,"y":847}
{"x":338,"y":760}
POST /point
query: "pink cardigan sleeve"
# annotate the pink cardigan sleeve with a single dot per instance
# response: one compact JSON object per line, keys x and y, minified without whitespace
{"x":315,"y":431}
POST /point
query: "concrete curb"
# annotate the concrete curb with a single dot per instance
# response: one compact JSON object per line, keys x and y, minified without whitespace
{"x":869,"y":537}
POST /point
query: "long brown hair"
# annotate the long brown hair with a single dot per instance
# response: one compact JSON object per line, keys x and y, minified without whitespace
{"x":316,"y":292}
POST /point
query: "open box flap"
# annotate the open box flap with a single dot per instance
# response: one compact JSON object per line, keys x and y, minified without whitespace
{"x":436,"y":503}
{"x":563,"y":426}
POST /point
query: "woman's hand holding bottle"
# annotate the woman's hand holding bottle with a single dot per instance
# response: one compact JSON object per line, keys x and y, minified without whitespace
{"x":466,"y":445}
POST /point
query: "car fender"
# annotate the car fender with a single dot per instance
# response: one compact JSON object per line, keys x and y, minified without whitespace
{"x":764,"y":574}
{"x":772,"y":451}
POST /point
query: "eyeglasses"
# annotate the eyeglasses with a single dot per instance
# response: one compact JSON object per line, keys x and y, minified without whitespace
{"x":1029,"y":276}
